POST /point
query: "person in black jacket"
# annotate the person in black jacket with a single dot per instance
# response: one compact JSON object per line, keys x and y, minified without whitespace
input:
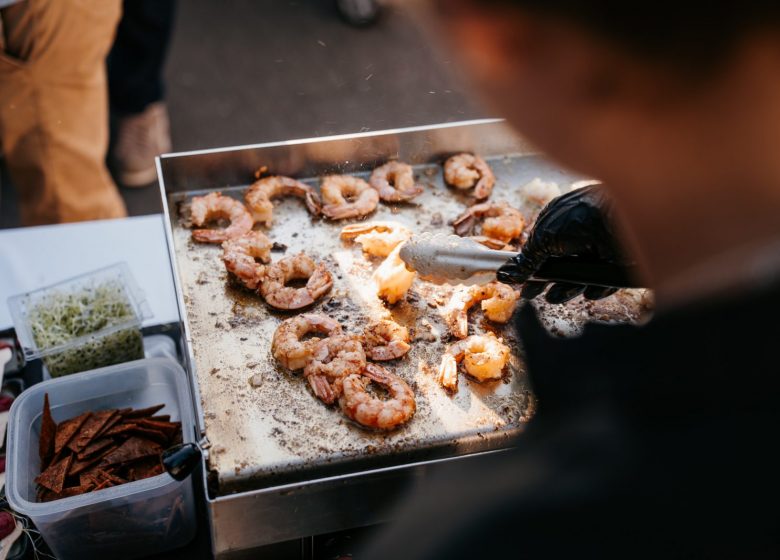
{"x":652,"y":441}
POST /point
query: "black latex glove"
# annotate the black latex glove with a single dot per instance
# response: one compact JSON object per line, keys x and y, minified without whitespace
{"x":576,"y":225}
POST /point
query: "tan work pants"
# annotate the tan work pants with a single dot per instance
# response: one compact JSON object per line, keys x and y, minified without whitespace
{"x":54,"y":108}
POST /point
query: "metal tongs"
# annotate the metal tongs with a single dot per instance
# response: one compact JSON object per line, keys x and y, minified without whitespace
{"x":454,"y":259}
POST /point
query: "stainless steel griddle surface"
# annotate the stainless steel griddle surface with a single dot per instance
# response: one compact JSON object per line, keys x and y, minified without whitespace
{"x":264,"y":425}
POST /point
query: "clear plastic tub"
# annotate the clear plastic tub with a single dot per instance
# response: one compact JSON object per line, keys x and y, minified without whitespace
{"x":125,"y":521}
{"x":90,"y":321}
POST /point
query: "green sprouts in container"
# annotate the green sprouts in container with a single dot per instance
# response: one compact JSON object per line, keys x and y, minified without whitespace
{"x":89,"y":322}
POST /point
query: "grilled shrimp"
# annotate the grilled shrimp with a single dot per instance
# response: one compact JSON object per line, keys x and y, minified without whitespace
{"x":369,"y":410}
{"x":299,"y":267}
{"x":287,"y":346}
{"x":386,"y":340}
{"x":498,"y":303}
{"x":347,"y":197}
{"x":377,"y":238}
{"x":501,"y":221}
{"x":394,"y":181}
{"x":258,"y":196}
{"x":484,"y":357}
{"x":540,"y":192}
{"x":214,"y":206}
{"x":392,"y":278}
{"x":241,"y":254}
{"x":464,"y":171}
{"x":333,"y":358}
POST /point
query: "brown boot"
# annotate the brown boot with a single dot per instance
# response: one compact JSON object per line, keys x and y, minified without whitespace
{"x":139,"y":139}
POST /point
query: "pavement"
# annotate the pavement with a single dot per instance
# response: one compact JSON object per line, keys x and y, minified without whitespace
{"x":248,"y":71}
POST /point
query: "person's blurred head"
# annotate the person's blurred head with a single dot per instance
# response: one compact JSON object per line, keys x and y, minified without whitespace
{"x":577,"y":75}
{"x":675,"y":106}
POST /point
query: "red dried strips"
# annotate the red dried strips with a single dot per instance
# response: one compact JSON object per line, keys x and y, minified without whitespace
{"x":67,"y":429}
{"x":48,"y":431}
{"x":132,"y":449}
{"x":98,"y":476}
{"x":80,"y":466}
{"x":53,"y":478}
{"x":145,"y":468}
{"x":121,"y":429}
{"x":113,"y":421}
{"x":153,"y":435}
{"x":95,"y":447}
{"x":90,"y":429}
{"x":167,"y":428}
{"x":144,"y":412}
{"x":68,"y":492}
{"x":101,"y":449}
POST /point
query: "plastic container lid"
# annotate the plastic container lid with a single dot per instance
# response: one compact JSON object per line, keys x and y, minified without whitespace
{"x":21,"y":306}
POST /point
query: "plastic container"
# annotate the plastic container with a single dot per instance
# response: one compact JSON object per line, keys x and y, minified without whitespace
{"x":126,"y":521}
{"x":116,"y":342}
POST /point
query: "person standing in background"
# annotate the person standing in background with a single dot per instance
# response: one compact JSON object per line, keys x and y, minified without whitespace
{"x":136,"y":90}
{"x":54,"y":107}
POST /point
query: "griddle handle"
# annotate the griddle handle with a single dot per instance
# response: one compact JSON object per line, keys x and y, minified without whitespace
{"x":181,"y":460}
{"x":577,"y":271}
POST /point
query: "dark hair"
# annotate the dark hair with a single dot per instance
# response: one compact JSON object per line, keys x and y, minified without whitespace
{"x":696,"y":34}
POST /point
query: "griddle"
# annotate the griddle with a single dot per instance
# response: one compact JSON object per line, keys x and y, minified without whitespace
{"x":267,"y":436}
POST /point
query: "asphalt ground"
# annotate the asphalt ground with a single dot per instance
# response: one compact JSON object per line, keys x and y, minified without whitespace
{"x":248,"y":71}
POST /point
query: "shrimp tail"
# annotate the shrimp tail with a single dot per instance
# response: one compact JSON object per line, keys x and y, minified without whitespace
{"x":393,"y":195}
{"x":313,"y":203}
{"x":322,"y":389}
{"x":447,"y":375}
{"x":391,"y":351}
{"x":376,"y":373}
{"x":207,"y":236}
{"x":337,"y":212}
{"x":483,"y":189}
{"x":460,"y":325}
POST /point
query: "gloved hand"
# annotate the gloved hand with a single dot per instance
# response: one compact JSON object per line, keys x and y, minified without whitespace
{"x":576,"y":225}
